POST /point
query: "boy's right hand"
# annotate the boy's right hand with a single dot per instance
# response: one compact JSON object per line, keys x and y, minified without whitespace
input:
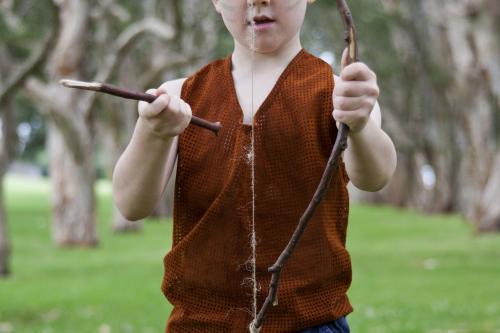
{"x":167,"y":116}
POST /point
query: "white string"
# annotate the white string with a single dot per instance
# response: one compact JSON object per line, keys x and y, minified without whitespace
{"x":253,"y":240}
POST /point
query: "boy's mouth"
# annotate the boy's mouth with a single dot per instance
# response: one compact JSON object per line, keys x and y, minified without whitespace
{"x":261,"y":20}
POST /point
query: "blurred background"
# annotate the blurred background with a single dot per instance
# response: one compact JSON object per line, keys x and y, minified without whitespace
{"x":425,"y":250}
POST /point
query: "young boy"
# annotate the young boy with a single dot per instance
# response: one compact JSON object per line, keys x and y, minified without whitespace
{"x":275,"y":103}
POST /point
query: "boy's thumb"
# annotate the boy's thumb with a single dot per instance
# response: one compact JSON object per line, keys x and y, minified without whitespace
{"x":343,"y":62}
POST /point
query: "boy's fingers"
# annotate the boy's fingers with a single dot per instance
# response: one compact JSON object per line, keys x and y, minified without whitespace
{"x":341,"y":115}
{"x":187,"y":109}
{"x":161,"y":90}
{"x":348,"y":117}
{"x":161,"y":103}
{"x":348,"y":103}
{"x":156,"y":107}
{"x":142,"y":106}
{"x":175,"y":104}
{"x":357,"y":72}
{"x":180,"y":114}
{"x":151,"y":92}
{"x":355,"y":89}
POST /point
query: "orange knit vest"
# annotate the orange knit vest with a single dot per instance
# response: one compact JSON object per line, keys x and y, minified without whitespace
{"x":207,"y":275}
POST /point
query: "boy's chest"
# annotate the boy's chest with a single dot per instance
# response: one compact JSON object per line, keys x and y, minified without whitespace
{"x":252,"y":96}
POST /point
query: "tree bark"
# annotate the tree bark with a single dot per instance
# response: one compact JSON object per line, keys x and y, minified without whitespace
{"x":70,"y":135}
{"x":73,"y":197}
{"x":8,"y":142}
{"x":5,"y":247}
{"x":450,"y":106}
{"x":13,"y":82}
{"x":489,"y":209}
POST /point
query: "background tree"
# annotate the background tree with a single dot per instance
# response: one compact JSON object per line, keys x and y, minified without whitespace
{"x":437,"y":65}
{"x":17,"y":64}
{"x":445,"y":117}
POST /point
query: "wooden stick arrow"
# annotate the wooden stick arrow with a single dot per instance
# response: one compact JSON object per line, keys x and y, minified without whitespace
{"x":138,"y":96}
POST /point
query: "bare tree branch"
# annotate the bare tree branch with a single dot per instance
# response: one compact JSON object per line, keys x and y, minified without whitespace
{"x":115,"y":9}
{"x":18,"y":78}
{"x":124,"y":42}
{"x":152,"y":77}
{"x":50,"y":97}
{"x":11,"y":19}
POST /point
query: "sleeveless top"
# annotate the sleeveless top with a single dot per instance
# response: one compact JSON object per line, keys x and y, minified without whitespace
{"x":208,"y":272}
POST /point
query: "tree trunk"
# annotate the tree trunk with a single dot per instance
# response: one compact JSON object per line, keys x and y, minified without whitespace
{"x":4,"y":237}
{"x":489,"y":209}
{"x":73,"y":197}
{"x":70,"y":143}
{"x":14,"y":76}
{"x":8,"y":149}
{"x":448,"y":107}
{"x":70,"y":132}
{"x":461,"y":41}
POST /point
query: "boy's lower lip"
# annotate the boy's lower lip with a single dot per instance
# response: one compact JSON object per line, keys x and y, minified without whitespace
{"x":263,"y":26}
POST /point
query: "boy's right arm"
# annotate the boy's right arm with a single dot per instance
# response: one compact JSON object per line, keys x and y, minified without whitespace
{"x":144,"y":168}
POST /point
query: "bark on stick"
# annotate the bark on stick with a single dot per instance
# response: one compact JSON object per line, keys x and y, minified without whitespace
{"x":138,"y":96}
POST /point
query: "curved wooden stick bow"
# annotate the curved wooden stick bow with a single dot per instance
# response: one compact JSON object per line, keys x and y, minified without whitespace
{"x":333,"y":162}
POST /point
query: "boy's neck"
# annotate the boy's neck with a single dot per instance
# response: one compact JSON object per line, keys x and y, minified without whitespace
{"x":242,"y":56}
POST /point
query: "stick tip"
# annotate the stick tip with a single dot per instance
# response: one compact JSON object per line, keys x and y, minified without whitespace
{"x":80,"y":84}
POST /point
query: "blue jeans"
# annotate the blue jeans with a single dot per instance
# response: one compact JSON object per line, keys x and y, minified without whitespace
{"x":338,"y":326}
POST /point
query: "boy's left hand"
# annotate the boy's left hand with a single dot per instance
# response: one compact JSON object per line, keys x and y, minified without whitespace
{"x":355,"y":95}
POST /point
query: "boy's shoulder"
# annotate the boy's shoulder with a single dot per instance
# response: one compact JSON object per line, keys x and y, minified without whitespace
{"x":174,"y":87}
{"x":216,"y":64}
{"x":322,"y":66}
{"x":212,"y":73}
{"x":214,"y":68}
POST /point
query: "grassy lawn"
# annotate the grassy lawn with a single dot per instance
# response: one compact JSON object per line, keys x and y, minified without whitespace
{"x":412,"y":273}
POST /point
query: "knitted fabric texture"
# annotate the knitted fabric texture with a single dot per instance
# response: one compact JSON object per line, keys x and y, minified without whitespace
{"x":207,"y":276}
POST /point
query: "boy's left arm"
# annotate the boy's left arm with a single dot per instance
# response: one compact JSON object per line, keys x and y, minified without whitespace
{"x":370,"y":157}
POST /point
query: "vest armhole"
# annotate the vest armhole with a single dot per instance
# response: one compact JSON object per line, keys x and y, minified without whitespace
{"x":343,"y":172}
{"x":185,"y":88}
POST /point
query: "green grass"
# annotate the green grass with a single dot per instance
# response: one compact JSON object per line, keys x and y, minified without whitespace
{"x":53,"y":290}
{"x":415,"y":273}
{"x":412,"y":273}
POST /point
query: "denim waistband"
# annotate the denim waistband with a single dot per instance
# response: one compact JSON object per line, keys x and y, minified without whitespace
{"x":338,"y":326}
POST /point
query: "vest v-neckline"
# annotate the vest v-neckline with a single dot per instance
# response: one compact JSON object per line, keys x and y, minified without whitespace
{"x":268,"y":99}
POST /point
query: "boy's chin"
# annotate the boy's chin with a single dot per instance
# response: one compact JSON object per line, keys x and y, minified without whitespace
{"x":265,"y":49}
